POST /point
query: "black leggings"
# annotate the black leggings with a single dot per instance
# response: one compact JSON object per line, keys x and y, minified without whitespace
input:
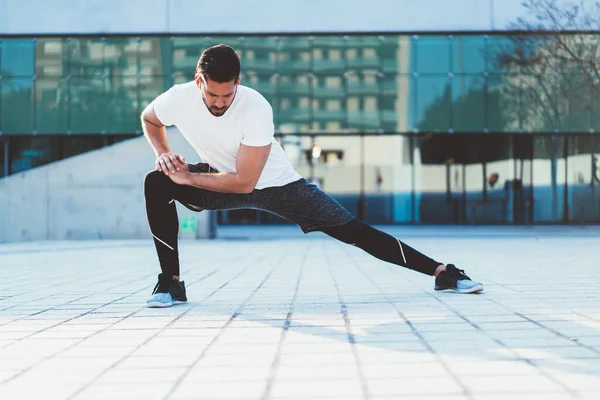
{"x":383,"y":246}
{"x":299,"y":202}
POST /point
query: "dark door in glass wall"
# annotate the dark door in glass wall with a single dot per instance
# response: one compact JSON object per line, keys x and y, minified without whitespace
{"x":582,"y":183}
{"x":474,"y":179}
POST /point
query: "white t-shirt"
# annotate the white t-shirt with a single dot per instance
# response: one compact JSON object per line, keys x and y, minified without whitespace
{"x":248,"y":121}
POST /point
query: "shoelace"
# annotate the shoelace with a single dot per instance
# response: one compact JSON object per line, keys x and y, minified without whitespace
{"x":459,"y":272}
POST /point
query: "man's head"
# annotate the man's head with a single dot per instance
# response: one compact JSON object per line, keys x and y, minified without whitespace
{"x":217,"y":76}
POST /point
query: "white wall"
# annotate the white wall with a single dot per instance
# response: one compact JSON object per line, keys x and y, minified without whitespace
{"x":247,"y":16}
{"x":94,"y":195}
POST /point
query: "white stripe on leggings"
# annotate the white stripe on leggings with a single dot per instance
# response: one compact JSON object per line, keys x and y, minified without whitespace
{"x":401,"y":251}
{"x":162,"y":242}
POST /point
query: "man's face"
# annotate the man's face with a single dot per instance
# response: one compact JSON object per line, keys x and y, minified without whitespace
{"x":217,"y":96}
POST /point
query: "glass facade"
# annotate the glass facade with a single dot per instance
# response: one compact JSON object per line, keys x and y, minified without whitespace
{"x":409,"y":128}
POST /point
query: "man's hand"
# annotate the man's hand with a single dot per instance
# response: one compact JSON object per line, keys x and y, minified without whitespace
{"x":170,"y":163}
{"x":182,"y":176}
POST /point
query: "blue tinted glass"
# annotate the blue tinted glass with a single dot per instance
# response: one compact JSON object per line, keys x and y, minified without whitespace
{"x":122,"y":104}
{"x":468,"y":54}
{"x":51,"y":102}
{"x":17,"y":105}
{"x":468,"y":94}
{"x":433,"y":104}
{"x":17,"y":57}
{"x":86,"y":57}
{"x":502,"y":109}
{"x":433,"y":54}
{"x":88,"y":105}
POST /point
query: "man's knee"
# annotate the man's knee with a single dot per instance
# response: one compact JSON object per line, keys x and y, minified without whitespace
{"x":155,"y":181}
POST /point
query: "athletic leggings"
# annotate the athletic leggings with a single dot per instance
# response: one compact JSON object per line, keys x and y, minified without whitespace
{"x":300,"y":202}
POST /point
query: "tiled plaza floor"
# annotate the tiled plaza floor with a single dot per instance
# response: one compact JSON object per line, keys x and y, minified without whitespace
{"x":275,"y":314}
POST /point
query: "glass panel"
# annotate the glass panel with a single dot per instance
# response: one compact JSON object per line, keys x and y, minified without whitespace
{"x":50,"y":57}
{"x":579,"y":93}
{"x":327,"y":54}
{"x":262,"y":83}
{"x":433,"y":180}
{"x":121,"y":55}
{"x":548,"y":178}
{"x":362,"y":54}
{"x":468,"y":54}
{"x":522,"y":202}
{"x":451,"y":186}
{"x":596,"y":113}
{"x":388,"y":179}
{"x":123,"y":113}
{"x":499,"y":50}
{"x":155,"y":56}
{"x":32,"y":151}
{"x":294,"y":55}
{"x":595,"y":173}
{"x":88,"y":105}
{"x":186,"y":52}
{"x":3,"y":170}
{"x":258,"y":55}
{"x":433,"y":54}
{"x":468,"y":103}
{"x":541,"y":108}
{"x":86,"y":56}
{"x":583,"y":179}
{"x":293,"y":103}
{"x":362,"y":102}
{"x":395,"y":54}
{"x":499,"y":206}
{"x":502,"y":106}
{"x":433,"y":104}
{"x":17,"y":105}
{"x":237,"y":42}
{"x":328,"y":105}
{"x":51,"y":101}
{"x":572,"y":47}
{"x":17,"y":57}
{"x":393,"y":103}
{"x":294,"y":86}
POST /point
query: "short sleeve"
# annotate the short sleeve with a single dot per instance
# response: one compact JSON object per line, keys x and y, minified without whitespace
{"x":258,"y":128}
{"x":165,"y":107}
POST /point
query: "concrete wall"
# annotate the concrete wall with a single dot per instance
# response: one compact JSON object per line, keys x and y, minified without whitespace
{"x":248,"y":16}
{"x":94,"y":195}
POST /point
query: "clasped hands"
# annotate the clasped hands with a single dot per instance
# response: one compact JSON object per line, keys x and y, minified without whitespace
{"x":174,"y":166}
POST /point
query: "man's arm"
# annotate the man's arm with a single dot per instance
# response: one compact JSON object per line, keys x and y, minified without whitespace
{"x":250,"y":162}
{"x":155,"y":132}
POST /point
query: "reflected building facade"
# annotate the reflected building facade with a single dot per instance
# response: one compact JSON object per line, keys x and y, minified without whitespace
{"x":399,"y":128}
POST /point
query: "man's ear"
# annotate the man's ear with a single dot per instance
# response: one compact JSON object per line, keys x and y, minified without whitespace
{"x":198,"y":79}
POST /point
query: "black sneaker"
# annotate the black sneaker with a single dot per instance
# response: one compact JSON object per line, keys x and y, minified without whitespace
{"x":167,"y":292}
{"x":456,"y":280}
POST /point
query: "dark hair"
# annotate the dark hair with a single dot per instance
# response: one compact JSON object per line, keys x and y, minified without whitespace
{"x":220,"y":63}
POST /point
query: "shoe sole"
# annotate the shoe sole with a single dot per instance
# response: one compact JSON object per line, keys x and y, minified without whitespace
{"x":155,"y":304}
{"x":474,"y":289}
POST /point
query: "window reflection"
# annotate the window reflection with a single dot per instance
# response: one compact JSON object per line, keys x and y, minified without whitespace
{"x":445,"y":89}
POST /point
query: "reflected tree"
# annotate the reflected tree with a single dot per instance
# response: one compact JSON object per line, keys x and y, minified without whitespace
{"x":553,"y":77}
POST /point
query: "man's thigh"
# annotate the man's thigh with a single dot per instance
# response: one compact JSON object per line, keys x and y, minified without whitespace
{"x":304,"y":204}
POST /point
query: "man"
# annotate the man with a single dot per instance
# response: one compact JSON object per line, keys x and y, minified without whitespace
{"x":231,"y":128}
